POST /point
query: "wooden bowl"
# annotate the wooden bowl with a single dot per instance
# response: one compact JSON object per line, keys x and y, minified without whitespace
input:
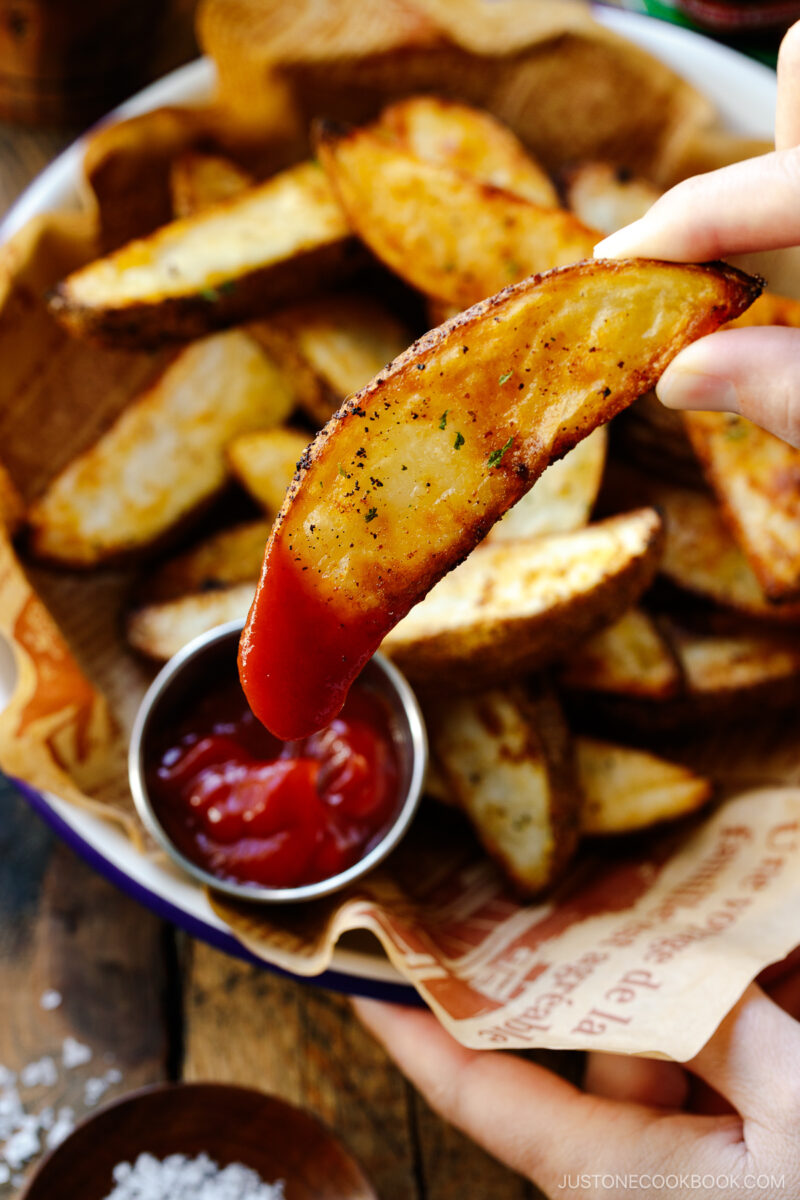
{"x":229,"y":1124}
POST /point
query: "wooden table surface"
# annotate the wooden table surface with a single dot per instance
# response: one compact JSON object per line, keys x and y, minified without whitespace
{"x":156,"y":1005}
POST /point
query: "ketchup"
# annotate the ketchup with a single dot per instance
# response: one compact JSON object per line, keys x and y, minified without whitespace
{"x":248,"y":807}
{"x":292,"y":687}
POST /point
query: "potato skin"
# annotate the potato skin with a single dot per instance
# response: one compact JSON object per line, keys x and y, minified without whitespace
{"x":490,"y":647}
{"x":506,"y":759}
{"x":145,"y":326}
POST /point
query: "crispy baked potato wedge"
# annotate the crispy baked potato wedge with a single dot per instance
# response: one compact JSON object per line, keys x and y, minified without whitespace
{"x":12,"y":508}
{"x":631,"y":657}
{"x":197,"y":181}
{"x":332,"y":347}
{"x":265,"y":463}
{"x":229,"y":557}
{"x":628,"y":790}
{"x":162,"y":457}
{"x":448,"y":235}
{"x":562,"y":498}
{"x":506,"y":759}
{"x":756,"y":478}
{"x":414,"y":469}
{"x":514,"y":607}
{"x":605,"y":197}
{"x":470,"y":140}
{"x":162,"y":629}
{"x":273,"y":244}
{"x":701,"y":556}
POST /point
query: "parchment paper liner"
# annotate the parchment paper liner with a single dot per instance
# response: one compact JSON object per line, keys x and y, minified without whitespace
{"x":642,"y":949}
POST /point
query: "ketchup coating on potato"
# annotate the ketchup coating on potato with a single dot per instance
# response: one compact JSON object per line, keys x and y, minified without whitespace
{"x":294,"y":662}
{"x":249,"y":807}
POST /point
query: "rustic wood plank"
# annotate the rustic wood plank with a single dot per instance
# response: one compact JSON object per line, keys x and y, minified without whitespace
{"x":23,"y":154}
{"x":247,"y":1026}
{"x":64,"y":929}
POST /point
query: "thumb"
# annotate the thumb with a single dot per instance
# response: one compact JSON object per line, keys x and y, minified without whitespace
{"x":754,"y":372}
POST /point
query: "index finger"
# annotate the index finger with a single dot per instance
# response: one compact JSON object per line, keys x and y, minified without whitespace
{"x":751,"y":205}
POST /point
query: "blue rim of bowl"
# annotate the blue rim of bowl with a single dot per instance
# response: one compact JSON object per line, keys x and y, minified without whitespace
{"x":249,"y":892}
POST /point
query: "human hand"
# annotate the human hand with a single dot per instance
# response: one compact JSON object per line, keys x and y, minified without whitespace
{"x":728,"y":1127}
{"x":750,"y":206}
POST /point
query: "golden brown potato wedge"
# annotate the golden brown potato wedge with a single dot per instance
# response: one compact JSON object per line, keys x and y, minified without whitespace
{"x":718,"y":665}
{"x":506,"y":759}
{"x":413,"y":471}
{"x":162,"y":457}
{"x":162,"y":629}
{"x":228,"y":557}
{"x":512,"y":608}
{"x":631,"y":657}
{"x":605,"y":197}
{"x":626,"y":790}
{"x":470,"y":140}
{"x":273,"y":244}
{"x":756,"y":478}
{"x":562,"y":498}
{"x":197,"y":181}
{"x":700,"y":555}
{"x":12,"y":508}
{"x":332,"y":347}
{"x":654,"y":438}
{"x":446,"y":234}
{"x":265,"y":463}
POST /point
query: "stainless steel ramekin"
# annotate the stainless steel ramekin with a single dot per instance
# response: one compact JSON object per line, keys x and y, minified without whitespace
{"x":191,"y":670}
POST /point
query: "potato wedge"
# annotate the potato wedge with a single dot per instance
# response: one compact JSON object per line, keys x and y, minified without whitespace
{"x":448,"y":235}
{"x":605,"y":197}
{"x":332,"y":347}
{"x":270,"y":245}
{"x":515,"y":607}
{"x":162,"y":457}
{"x":160,"y":630}
{"x":716,"y":666}
{"x":562,"y":498}
{"x":12,"y":508}
{"x":198,"y":181}
{"x":265,"y":463}
{"x":631,"y":657}
{"x":700,"y":555}
{"x":506,"y":759}
{"x":228,"y":557}
{"x":470,"y":140}
{"x":756,"y":478}
{"x":413,"y":470}
{"x":654,"y":438}
{"x":626,"y":790}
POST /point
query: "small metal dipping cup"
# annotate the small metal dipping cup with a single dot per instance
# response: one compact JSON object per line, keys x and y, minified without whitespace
{"x":190,"y":671}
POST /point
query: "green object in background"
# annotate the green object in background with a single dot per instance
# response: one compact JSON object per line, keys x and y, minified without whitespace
{"x":763,"y":49}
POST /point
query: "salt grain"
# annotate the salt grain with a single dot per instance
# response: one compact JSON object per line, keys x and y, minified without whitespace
{"x":42,"y":1073}
{"x":74,"y":1053}
{"x":50,"y":999}
{"x":61,"y":1128}
{"x":180,"y":1178}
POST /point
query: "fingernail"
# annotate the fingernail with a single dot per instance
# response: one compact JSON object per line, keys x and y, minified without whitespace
{"x":679,"y":388}
{"x":622,"y":244}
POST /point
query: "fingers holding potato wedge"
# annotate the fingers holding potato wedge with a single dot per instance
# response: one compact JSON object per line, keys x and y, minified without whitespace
{"x":414,"y":469}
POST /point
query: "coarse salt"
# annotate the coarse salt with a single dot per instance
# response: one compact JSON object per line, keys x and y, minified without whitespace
{"x":180,"y":1178}
{"x":50,"y":999}
{"x":74,"y":1053}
